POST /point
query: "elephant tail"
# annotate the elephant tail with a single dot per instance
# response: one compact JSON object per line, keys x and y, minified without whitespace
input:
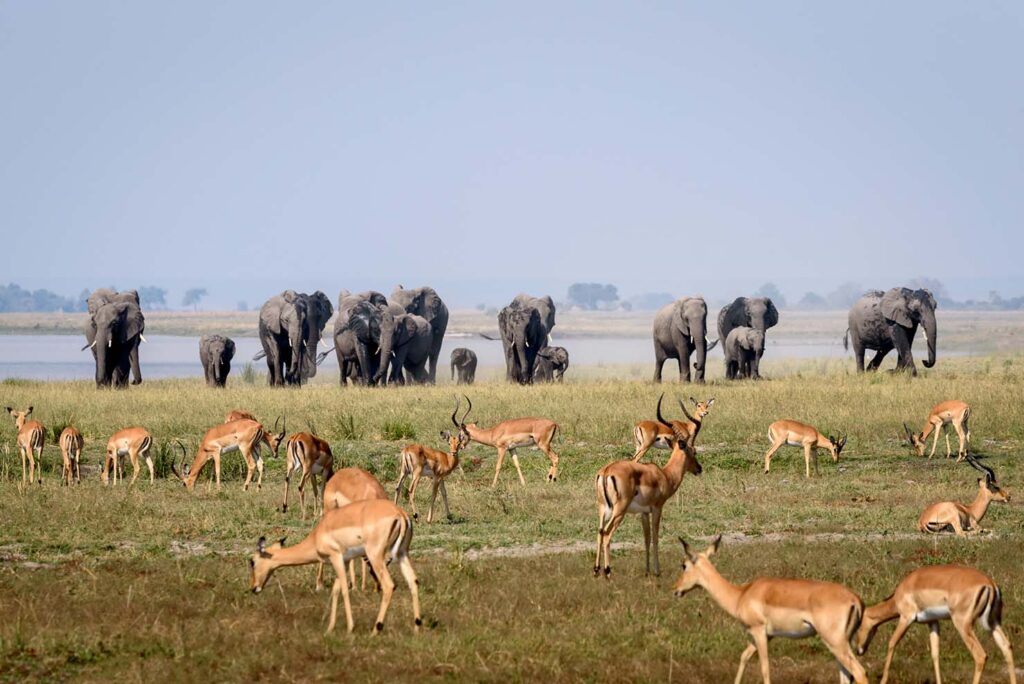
{"x":846,"y":340}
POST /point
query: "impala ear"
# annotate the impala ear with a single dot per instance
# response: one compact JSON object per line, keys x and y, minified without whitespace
{"x":713,"y":549}
{"x":695,"y":402}
{"x":686,"y":549}
{"x":711,"y":401}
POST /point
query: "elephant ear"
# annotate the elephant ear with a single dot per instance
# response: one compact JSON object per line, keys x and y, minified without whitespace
{"x":927,"y":296}
{"x":134,"y":322}
{"x":324,"y":308}
{"x":130,"y":297}
{"x":549,"y":319}
{"x":732,"y":316}
{"x":680,"y":315}
{"x":894,"y":307}
{"x":290,"y":296}
{"x":771,"y":314}
{"x":229,"y":346}
{"x":270,"y":315}
{"x":98,"y":298}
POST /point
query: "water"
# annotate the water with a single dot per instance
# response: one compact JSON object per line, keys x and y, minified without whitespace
{"x":59,"y":357}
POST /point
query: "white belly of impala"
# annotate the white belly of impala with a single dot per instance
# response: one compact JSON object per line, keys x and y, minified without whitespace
{"x":932,"y":614}
{"x":122,"y":452}
{"x":802,"y":632}
{"x":661,"y":443}
{"x":637,"y":506}
{"x":355,"y":552}
{"x":528,"y":441}
{"x":229,"y":448}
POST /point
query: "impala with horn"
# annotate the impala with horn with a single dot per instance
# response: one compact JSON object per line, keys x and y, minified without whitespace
{"x":780,"y":607}
{"x":641,"y":488}
{"x":964,"y":518}
{"x":30,"y":440}
{"x":509,"y":435}
{"x":791,"y":433}
{"x":244,"y":436}
{"x":651,"y":433}
{"x":132,"y":442}
{"x":956,"y":413}
{"x":417,"y":459}
{"x":376,"y":528}
{"x":963,"y":595}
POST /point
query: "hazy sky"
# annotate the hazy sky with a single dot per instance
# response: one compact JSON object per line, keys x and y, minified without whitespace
{"x":489,"y":147}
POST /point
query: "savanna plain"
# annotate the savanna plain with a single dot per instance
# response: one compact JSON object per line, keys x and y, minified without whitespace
{"x":151,"y":582}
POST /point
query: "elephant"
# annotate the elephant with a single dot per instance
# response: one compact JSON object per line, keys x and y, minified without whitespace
{"x":425,"y":302}
{"x":545,"y":306}
{"x":216,"y":352}
{"x":114,"y":332}
{"x":753,"y":312}
{"x":550,"y":364}
{"x":884,"y":321}
{"x":283,"y":331}
{"x":743,"y":350}
{"x":357,"y":335}
{"x":405,"y":344}
{"x":523,"y":334}
{"x":464,"y":361}
{"x":680,"y":329}
{"x":318,"y":311}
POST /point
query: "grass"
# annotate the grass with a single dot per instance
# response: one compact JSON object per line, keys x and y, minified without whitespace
{"x":150,"y":581}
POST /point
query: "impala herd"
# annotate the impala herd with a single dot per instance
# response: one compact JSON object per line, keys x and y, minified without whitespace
{"x":358,"y":520}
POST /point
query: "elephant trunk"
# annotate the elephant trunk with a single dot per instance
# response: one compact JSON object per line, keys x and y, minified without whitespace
{"x":217,"y":370}
{"x":102,"y":350}
{"x":524,"y":367}
{"x":930,"y":336}
{"x":700,"y":340}
{"x":295,"y":341}
{"x":387,"y":343}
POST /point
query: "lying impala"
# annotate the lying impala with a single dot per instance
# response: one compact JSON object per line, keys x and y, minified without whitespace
{"x":131,"y":442}
{"x":964,"y":519}
{"x":643,"y":488}
{"x":792,"y":433}
{"x":378,"y":529}
{"x":778,"y":607}
{"x":30,"y":440}
{"x":942,"y":592}
{"x":510,"y":435}
{"x":238,"y":414}
{"x":344,"y":487}
{"x":312,"y":455}
{"x":417,"y":459}
{"x":955,"y":413}
{"x":651,"y":433}
{"x":244,"y":436}
{"x":71,"y":444}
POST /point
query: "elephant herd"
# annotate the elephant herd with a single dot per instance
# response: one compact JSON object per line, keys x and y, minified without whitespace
{"x":382,"y":340}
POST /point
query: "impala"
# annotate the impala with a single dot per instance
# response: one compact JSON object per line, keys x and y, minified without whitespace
{"x":964,"y":519}
{"x":378,"y":529}
{"x":312,"y":455}
{"x":792,"y":433}
{"x":510,"y":435}
{"x":71,"y":444}
{"x":780,"y":607}
{"x":131,"y":442}
{"x":30,"y":440}
{"x":244,"y":436}
{"x":651,"y":433}
{"x":417,"y":459}
{"x":963,"y":595}
{"x":643,"y":488}
{"x":344,"y":487}
{"x":238,"y":414}
{"x":955,"y":413}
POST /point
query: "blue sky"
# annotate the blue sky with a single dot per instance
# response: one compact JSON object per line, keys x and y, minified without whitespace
{"x":489,"y":148}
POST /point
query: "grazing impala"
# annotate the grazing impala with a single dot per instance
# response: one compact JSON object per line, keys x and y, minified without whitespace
{"x":955,"y":413}
{"x":238,"y":414}
{"x":792,"y":433}
{"x":244,"y":436}
{"x":31,"y":440}
{"x":312,"y":455}
{"x":131,"y":442}
{"x":378,"y":529}
{"x":344,"y":487}
{"x":417,"y":459}
{"x":630,"y":487}
{"x":780,"y":607}
{"x":964,"y":595}
{"x":71,"y":444}
{"x":964,"y":519}
{"x":651,"y":433}
{"x":510,"y":435}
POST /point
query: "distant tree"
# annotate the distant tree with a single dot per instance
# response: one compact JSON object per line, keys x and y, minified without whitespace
{"x":481,"y":307}
{"x":844,"y":296}
{"x":193,"y":296}
{"x":812,"y":300}
{"x":83,"y":300}
{"x":590,"y":295}
{"x":773,"y":293}
{"x":14,"y":298}
{"x":649,"y":301}
{"x":243,"y":305}
{"x":153,"y":297}
{"x":934,"y":285}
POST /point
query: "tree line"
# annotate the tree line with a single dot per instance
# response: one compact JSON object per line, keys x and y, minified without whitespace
{"x":16,"y":299}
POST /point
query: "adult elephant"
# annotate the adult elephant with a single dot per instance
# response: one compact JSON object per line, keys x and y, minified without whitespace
{"x":681,"y":329}
{"x":114,"y":332}
{"x":523,"y":334}
{"x":215,"y":353}
{"x":743,"y":350}
{"x":318,"y":311}
{"x":753,"y":312}
{"x":884,"y":321}
{"x":405,"y":344}
{"x":550,"y":364}
{"x":283,"y":330}
{"x":357,"y":330}
{"x":545,"y":307}
{"x":425,"y":302}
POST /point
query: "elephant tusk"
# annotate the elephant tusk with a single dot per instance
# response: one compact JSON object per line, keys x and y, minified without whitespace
{"x":549,"y":339}
{"x":143,"y":337}
{"x":527,"y":344}
{"x":110,"y":343}
{"x":89,"y":346}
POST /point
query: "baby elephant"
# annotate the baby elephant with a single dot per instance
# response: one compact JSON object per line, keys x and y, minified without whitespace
{"x":743,"y":350}
{"x":464,"y":362}
{"x":216,"y":353}
{"x":551,"y":364}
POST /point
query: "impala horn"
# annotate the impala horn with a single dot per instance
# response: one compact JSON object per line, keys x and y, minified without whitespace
{"x":468,"y":409}
{"x":685,"y":412}
{"x":455,"y":422}
{"x":990,"y":475}
{"x":910,"y":436}
{"x":184,"y":455}
{"x":661,"y":419}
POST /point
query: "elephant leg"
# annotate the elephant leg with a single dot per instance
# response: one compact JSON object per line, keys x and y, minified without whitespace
{"x":876,"y":360}
{"x":858,"y":351}
{"x":659,"y":361}
{"x":684,"y":362}
{"x":902,"y":342}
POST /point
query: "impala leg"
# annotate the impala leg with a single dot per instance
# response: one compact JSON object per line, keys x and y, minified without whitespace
{"x":250,"y":466}
{"x":901,"y":629}
{"x":849,"y":667}
{"x":133,"y":456}
{"x":771,"y":452}
{"x":1004,"y":645}
{"x":961,"y":451}
{"x":24,"y":464}
{"x":935,"y":442}
{"x":613,"y":524}
{"x":401,"y":481}
{"x":216,"y":468}
{"x":417,"y":473}
{"x":760,"y":636}
{"x":117,"y":467}
{"x":645,"y":522}
{"x":933,"y":643}
{"x":259,"y":471}
{"x":497,"y":467}
{"x":641,"y":449}
{"x":387,"y":588}
{"x":302,"y":492}
{"x":149,"y":465}
{"x":444,"y":497}
{"x":655,"y":532}
{"x":433,"y":498}
{"x":320,"y":576}
{"x":965,"y":625}
{"x":749,"y":651}
{"x":545,"y":446}
{"x":340,"y":586}
{"x":808,"y":454}
{"x":949,"y":451}
{"x":414,"y":588}
{"x":515,"y":462}
{"x":78,"y":466}
{"x":287,"y":484}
